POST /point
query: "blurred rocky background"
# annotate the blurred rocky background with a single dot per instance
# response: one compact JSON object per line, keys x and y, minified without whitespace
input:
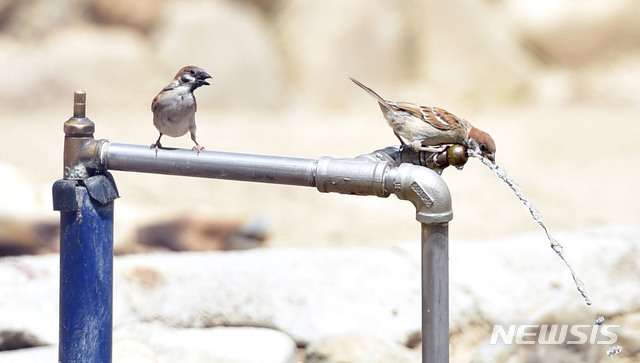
{"x":557,"y":84}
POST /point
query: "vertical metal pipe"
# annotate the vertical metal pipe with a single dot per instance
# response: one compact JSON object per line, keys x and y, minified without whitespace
{"x":85,"y":201}
{"x":435,"y":293}
{"x":428,"y":192}
{"x":86,"y":275}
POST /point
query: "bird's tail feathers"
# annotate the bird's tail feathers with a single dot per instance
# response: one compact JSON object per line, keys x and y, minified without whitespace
{"x":373,"y":93}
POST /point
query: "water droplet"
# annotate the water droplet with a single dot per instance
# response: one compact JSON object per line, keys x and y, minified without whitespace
{"x":613,"y":350}
{"x":537,"y":217}
{"x":599,"y":320}
{"x":557,"y":248}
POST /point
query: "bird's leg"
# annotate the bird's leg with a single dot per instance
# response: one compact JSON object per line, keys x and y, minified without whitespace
{"x":399,"y":138}
{"x":403,"y":145}
{"x":417,"y":146}
{"x":157,"y":144}
{"x":434,"y":150}
{"x":198,"y":147}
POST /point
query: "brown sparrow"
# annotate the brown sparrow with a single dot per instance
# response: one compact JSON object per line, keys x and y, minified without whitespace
{"x":174,"y":108}
{"x":432,"y":129}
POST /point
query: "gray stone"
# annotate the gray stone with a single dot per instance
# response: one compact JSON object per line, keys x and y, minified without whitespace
{"x":29,"y":296}
{"x":46,"y":354}
{"x":156,"y":343}
{"x":359,"y":349}
{"x":520,"y":280}
{"x":313,"y":294}
{"x":308,"y":294}
{"x":221,"y":344}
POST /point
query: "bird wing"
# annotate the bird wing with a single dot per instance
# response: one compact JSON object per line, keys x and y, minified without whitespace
{"x":434,"y":116}
{"x":154,"y":103}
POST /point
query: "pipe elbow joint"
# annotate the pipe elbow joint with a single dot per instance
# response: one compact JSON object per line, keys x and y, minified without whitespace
{"x":425,"y":189}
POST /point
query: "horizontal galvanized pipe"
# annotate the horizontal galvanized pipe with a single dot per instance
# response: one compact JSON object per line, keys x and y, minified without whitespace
{"x":373,"y":174}
{"x":209,"y":164}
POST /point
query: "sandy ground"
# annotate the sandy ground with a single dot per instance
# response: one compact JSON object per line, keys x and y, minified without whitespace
{"x":576,"y":163}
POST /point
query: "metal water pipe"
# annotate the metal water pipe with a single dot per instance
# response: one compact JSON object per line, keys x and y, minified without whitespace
{"x":84,"y":198}
{"x":384,"y":172}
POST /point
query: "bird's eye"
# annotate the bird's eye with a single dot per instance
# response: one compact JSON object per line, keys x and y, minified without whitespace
{"x":193,"y":72}
{"x":483,"y":148}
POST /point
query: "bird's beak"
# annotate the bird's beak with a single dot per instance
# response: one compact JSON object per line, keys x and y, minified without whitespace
{"x":202,"y":78}
{"x":490,"y":156}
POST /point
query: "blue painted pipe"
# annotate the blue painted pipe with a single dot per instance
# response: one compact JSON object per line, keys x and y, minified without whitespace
{"x":86,"y":268}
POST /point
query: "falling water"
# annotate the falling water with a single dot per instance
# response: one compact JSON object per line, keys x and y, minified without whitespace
{"x":613,"y":350}
{"x":599,"y":320}
{"x":555,"y":245}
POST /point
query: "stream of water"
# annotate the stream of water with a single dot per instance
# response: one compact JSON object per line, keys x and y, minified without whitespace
{"x":555,"y":245}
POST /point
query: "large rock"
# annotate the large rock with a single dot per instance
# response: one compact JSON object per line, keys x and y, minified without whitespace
{"x":31,"y":20}
{"x":32,"y":355}
{"x":327,"y":41}
{"x":142,"y":14}
{"x":141,"y":343}
{"x":36,"y":312}
{"x":466,"y":50}
{"x":359,"y":349}
{"x":312,"y":294}
{"x":221,"y":344}
{"x":309,"y":294}
{"x":574,"y":34}
{"x":520,"y":280}
{"x":232,"y":41}
{"x":27,"y":226}
{"x":108,"y":63}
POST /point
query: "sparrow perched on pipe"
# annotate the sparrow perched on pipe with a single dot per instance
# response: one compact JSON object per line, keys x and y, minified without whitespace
{"x":432,"y":129}
{"x":174,"y":108}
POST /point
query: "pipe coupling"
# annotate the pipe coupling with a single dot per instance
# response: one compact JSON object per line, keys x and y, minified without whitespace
{"x":352,"y":176}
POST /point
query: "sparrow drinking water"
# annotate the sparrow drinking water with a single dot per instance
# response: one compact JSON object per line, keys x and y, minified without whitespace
{"x":432,"y":129}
